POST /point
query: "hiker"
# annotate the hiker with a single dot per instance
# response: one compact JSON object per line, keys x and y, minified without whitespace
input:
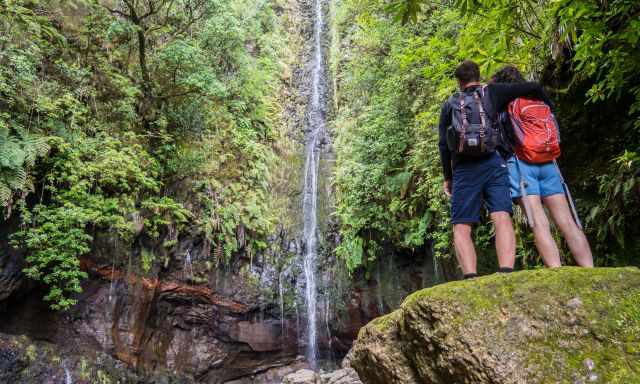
{"x":536,"y":181}
{"x":474,"y":171}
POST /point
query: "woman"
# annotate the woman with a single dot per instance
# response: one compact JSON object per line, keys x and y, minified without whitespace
{"x":543,"y":185}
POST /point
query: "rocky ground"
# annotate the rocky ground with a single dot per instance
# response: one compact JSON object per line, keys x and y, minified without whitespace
{"x":546,"y":326}
{"x":26,"y":361}
{"x":345,"y":375}
{"x":569,"y":325}
{"x":222,"y":330}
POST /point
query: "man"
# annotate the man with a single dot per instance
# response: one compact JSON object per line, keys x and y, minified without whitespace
{"x":475,"y":173}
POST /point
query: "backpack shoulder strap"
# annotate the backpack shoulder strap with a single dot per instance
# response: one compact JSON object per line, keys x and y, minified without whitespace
{"x":483,"y":117}
{"x":515,"y":108}
{"x":484,"y":94}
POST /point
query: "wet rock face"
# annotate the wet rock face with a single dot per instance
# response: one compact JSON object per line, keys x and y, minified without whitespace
{"x":393,"y":278}
{"x":186,"y":329}
{"x":150,"y":325}
{"x":212,"y":332}
{"x":25,"y":361}
{"x":569,"y":325}
{"x":11,"y":264}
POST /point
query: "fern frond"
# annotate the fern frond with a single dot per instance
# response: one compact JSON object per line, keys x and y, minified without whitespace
{"x":34,"y":147}
{"x":5,"y":194}
{"x":11,"y":154}
{"x":15,"y":179}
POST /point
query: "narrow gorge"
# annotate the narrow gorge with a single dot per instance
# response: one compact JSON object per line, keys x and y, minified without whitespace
{"x":251,"y":192}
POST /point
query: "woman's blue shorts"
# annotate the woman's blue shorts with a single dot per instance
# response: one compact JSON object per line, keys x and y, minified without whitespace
{"x":540,"y":179}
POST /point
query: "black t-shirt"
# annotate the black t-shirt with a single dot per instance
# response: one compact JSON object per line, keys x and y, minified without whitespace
{"x":500,"y":95}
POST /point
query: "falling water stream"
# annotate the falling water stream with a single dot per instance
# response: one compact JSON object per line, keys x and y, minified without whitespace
{"x":315,"y":132}
{"x":67,"y":373}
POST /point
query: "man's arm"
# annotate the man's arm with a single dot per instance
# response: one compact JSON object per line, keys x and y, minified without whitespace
{"x":502,"y":94}
{"x":445,"y":154}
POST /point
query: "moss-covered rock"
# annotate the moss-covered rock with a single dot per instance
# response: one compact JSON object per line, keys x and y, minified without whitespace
{"x":567,"y":325}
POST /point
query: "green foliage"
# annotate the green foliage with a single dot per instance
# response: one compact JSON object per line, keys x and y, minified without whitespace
{"x":138,"y":121}
{"x":54,"y":249}
{"x":605,"y":38}
{"x":26,"y":36}
{"x":147,"y":259}
{"x":393,"y":77}
{"x":615,"y":217}
{"x":18,"y":154}
{"x":388,"y":173}
{"x":161,"y":213}
{"x":92,"y":185}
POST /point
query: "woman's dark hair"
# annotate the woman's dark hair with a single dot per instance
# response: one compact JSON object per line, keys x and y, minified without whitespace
{"x":508,"y":74}
{"x":467,"y":72}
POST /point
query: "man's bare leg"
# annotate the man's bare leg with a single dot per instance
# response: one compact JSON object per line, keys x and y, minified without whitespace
{"x":545,"y":243}
{"x":505,"y":239}
{"x":577,"y":241}
{"x":465,"y":251}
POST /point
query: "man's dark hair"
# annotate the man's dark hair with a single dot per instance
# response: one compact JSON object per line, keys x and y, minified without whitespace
{"x":467,"y":72}
{"x":508,"y":74}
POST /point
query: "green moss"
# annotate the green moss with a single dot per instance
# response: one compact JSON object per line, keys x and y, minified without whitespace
{"x":84,"y":369}
{"x":31,"y":353}
{"x":488,"y":290}
{"x":552,"y":320}
{"x":384,"y":323}
{"x":103,"y":378}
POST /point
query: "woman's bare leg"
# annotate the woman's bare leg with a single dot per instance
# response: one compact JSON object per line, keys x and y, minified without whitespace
{"x":577,"y":241}
{"x":545,"y":243}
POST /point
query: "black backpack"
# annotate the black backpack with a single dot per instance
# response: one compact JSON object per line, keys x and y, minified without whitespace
{"x":473,"y":130}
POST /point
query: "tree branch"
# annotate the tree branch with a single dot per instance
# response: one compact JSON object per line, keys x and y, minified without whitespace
{"x":116,"y":12}
{"x":185,"y":93}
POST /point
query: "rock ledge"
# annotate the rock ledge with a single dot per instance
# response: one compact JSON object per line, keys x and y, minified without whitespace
{"x":544,"y":326}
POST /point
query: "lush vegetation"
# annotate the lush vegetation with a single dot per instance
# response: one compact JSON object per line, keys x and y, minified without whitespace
{"x":394,"y":62}
{"x":138,"y":121}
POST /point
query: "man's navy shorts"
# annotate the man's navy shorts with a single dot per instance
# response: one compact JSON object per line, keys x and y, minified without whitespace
{"x":477,"y":181}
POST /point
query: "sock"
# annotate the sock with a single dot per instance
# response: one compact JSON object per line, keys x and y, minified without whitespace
{"x":470,"y":276}
{"x":505,"y":270}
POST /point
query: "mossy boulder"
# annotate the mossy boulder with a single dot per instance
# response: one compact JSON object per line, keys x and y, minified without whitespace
{"x":567,"y":325}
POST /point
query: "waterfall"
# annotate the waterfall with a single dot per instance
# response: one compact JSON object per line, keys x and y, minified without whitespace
{"x":315,"y":132}
{"x":67,"y":374}
{"x":281,"y":302}
{"x":187,"y":267}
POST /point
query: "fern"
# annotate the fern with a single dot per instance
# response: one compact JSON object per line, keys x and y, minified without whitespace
{"x":5,"y":194}
{"x":34,"y":148}
{"x":18,"y":155}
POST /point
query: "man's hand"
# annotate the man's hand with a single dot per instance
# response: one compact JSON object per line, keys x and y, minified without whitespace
{"x":447,"y":188}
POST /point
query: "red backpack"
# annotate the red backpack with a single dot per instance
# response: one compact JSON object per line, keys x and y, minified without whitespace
{"x":536,"y":131}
